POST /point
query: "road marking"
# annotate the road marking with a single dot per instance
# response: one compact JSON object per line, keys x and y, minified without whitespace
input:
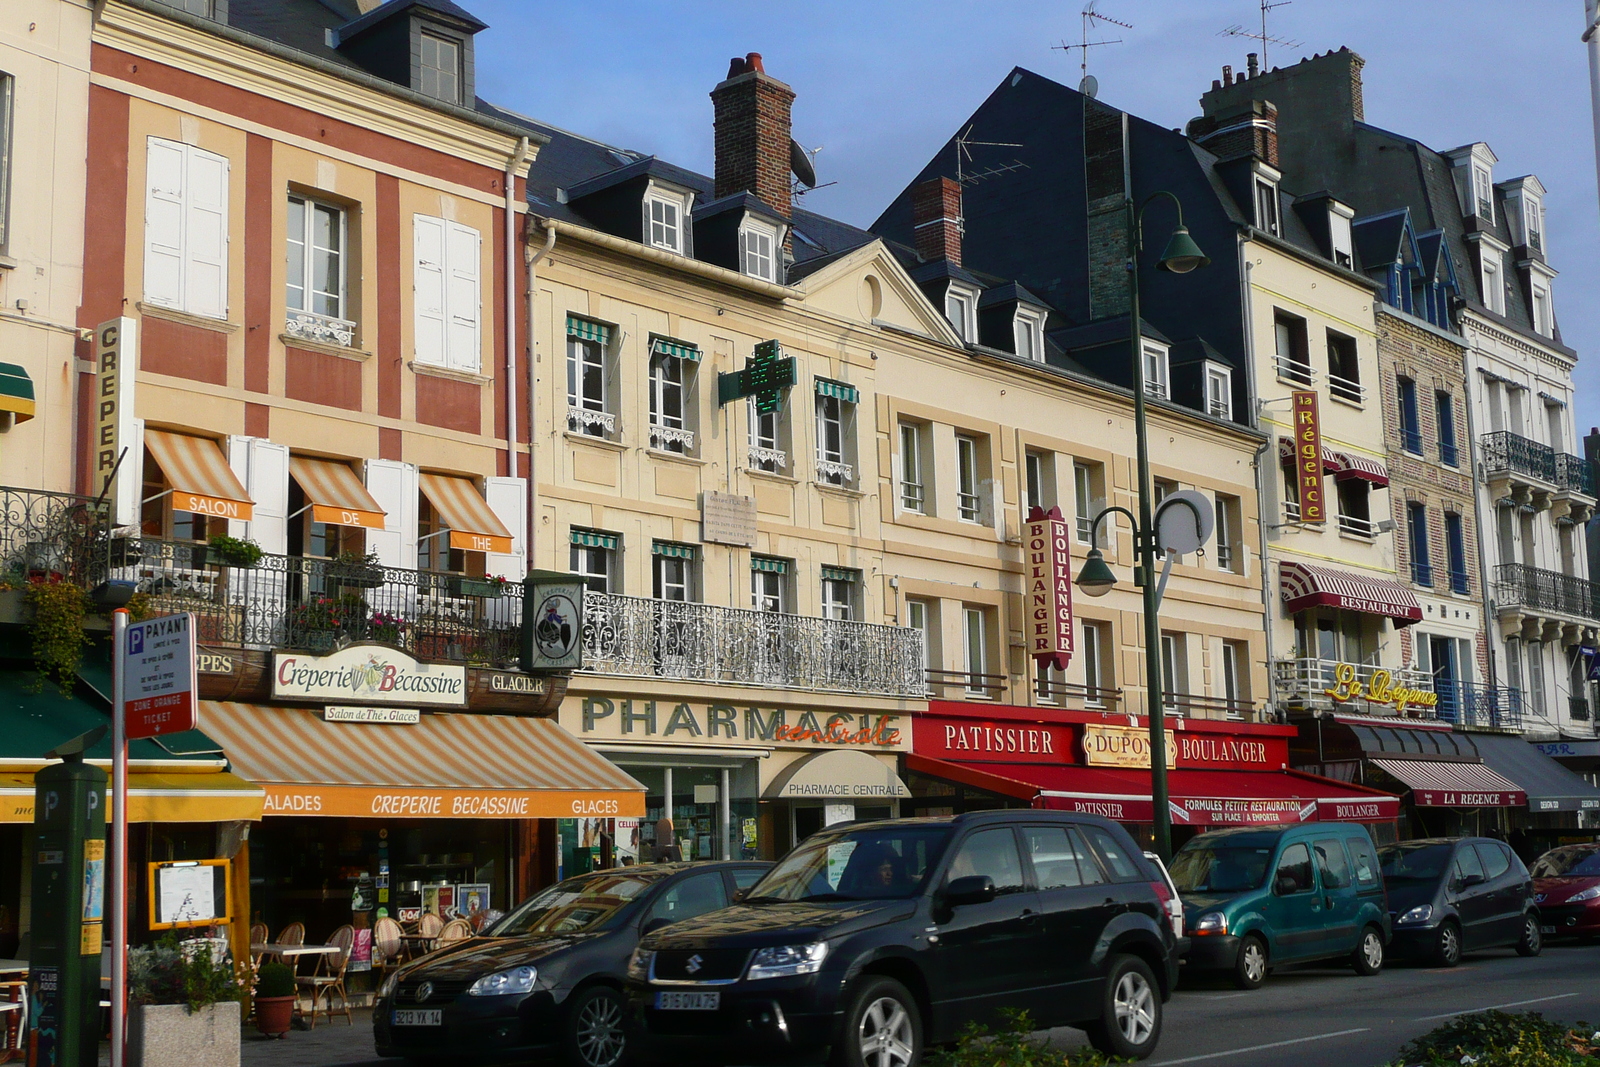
{"x":1262,"y":1048}
{"x":1493,"y":1007}
{"x":1225,"y":996}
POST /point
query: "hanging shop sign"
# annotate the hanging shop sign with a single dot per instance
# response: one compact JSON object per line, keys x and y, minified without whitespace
{"x":1047,"y":563}
{"x":766,"y":374}
{"x":1123,"y":746}
{"x":1308,"y":457}
{"x":116,"y":362}
{"x":685,"y":722}
{"x":1379,"y":689}
{"x":552,"y":622}
{"x":372,"y":674}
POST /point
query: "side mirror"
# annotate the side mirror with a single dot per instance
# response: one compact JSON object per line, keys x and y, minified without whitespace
{"x":1470,"y":880}
{"x":973,"y":889}
{"x":740,"y":894}
{"x":1285,"y":885}
{"x":655,"y":924}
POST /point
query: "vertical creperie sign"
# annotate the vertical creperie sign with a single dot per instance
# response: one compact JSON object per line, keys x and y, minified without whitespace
{"x":115,"y":364}
{"x":1047,"y":567}
{"x":1308,"y":457}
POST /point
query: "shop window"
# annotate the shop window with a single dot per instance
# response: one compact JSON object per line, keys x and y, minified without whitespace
{"x":593,"y":558}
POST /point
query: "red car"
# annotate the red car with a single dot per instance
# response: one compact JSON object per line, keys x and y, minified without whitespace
{"x":1566,"y":886}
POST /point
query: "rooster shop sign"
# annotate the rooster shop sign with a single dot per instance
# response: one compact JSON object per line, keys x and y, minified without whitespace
{"x":368,"y":674}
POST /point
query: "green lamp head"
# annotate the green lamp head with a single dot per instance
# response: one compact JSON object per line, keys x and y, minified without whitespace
{"x":1095,"y":577}
{"x":1182,"y":255}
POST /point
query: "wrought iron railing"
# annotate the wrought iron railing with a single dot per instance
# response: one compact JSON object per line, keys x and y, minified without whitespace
{"x":1507,"y":451}
{"x":1346,"y":389}
{"x":51,"y":535}
{"x":322,"y":604}
{"x":638,"y":637}
{"x":1356,"y":526}
{"x":1317,"y":683}
{"x":1578,"y":709}
{"x":1090,"y":696}
{"x":1422,"y":573}
{"x":1574,"y":473}
{"x":1449,"y":454}
{"x":1411,"y":439}
{"x":1479,"y":705}
{"x":1196,"y":705}
{"x":1292,"y":370}
{"x":971,"y":683}
{"x":1518,"y":585}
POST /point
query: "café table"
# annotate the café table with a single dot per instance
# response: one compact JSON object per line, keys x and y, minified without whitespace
{"x":418,"y":943}
{"x":8,"y":967}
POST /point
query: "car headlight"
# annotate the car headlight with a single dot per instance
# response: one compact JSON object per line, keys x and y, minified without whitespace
{"x":639,"y":964}
{"x":784,"y":961}
{"x":1419,"y":914}
{"x":386,"y":990}
{"x":1212,"y":922}
{"x":502,"y":983}
{"x":1588,"y":894}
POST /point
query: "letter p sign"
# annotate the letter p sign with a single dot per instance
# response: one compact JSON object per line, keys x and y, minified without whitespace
{"x":135,"y":641}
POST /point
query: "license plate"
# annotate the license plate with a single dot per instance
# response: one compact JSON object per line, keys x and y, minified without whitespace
{"x":688,"y":1001}
{"x":418,"y":1017}
{"x":1547,"y":929}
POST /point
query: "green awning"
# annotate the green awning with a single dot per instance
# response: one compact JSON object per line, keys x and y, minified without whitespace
{"x":768,"y":564}
{"x":844,"y":392}
{"x":16,"y":391}
{"x":672,"y":549}
{"x":33,"y":723}
{"x":589,"y":331}
{"x":666,"y":346}
{"x":593,"y":539}
{"x":840,"y":574}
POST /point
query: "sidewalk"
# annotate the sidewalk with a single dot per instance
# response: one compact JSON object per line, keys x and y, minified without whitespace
{"x":329,"y":1045}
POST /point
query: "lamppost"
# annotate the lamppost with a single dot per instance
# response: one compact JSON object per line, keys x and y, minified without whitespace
{"x":1180,"y":256}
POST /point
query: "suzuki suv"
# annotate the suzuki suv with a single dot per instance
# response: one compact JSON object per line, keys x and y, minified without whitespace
{"x":877,"y":939}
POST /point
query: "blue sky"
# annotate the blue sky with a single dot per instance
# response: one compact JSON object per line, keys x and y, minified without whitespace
{"x":883,"y":83}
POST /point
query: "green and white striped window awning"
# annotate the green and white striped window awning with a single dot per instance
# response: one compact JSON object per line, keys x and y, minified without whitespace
{"x":594,"y":539}
{"x":589,"y":331}
{"x":666,"y":346}
{"x":840,"y":574}
{"x":16,"y":391}
{"x":672,"y":549}
{"x":844,"y":392}
{"x":769,"y":565}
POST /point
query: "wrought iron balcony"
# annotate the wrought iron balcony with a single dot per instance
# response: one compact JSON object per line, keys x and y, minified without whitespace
{"x":702,"y":642}
{"x":1316,"y":683}
{"x":1479,"y":705}
{"x":324,"y":328}
{"x":1346,"y":389}
{"x":1504,"y":451}
{"x":1578,"y":709}
{"x":1574,"y":474}
{"x":1071,"y":693}
{"x":1534,"y":590}
{"x":1197,"y":706}
{"x":52,"y":535}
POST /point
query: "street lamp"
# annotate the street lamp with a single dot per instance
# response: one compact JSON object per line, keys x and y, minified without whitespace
{"x":1180,"y":256}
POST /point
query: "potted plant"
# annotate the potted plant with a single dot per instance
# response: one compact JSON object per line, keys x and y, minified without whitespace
{"x":183,"y":1002}
{"x":275,"y":997}
{"x":490,"y":585}
{"x":356,"y":570}
{"x":225,"y":551}
{"x":316,"y":623}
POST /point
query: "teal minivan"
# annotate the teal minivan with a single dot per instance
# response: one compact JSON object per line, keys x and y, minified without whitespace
{"x":1259,"y":896}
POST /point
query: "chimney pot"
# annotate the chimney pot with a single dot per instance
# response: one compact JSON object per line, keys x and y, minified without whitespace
{"x":752,"y":61}
{"x":752,"y":134}
{"x":1252,"y":64}
{"x":736,"y":67}
{"x":936,"y":220}
{"x":1227,"y":74}
{"x":1215,"y":85}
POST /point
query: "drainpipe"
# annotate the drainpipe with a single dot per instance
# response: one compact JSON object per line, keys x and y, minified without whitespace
{"x":1486,"y":604}
{"x":510,"y":311}
{"x":533,"y":259}
{"x":1263,"y":516}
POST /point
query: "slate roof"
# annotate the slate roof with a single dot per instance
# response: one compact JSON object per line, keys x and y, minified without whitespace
{"x":452,"y":12}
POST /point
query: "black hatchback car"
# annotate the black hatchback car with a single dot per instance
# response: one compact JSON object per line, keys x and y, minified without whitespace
{"x":1449,"y":895}
{"x":877,"y":939}
{"x":548,"y":976}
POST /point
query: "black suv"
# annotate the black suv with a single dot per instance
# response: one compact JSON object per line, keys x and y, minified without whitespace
{"x":878,"y":939}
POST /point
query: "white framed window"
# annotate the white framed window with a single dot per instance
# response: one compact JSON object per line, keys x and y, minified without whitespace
{"x":593,"y":558}
{"x":673,"y":571}
{"x":835,"y":417}
{"x":758,"y":251}
{"x":919,"y":617}
{"x":1494,"y":291}
{"x":448,"y":296}
{"x":1533,"y":222}
{"x":186,"y":228}
{"x":1483,"y":192}
{"x":588,"y":383}
{"x":1029,"y":335}
{"x":1219,"y":391}
{"x":316,"y":234}
{"x":766,"y":451}
{"x":961,"y":308}
{"x":7,"y":98}
{"x":1174,"y":668}
{"x":913,"y":491}
{"x":1543,"y":320}
{"x":1267,"y":207}
{"x":1092,"y":645}
{"x":969,"y":505}
{"x":975,"y":641}
{"x":669,"y":429}
{"x":1039,"y":472}
{"x":1233,"y":689}
{"x":1228,"y":524}
{"x":1086,"y":480}
{"x":439,"y":68}
{"x":839,"y":587}
{"x":1155,"y":371}
{"x":769,"y":582}
{"x":1339,"y":238}
{"x":664,"y":217}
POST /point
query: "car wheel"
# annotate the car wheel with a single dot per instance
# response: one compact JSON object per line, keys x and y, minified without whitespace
{"x":1130,"y":1017}
{"x":1367,"y":959}
{"x":1531,"y":943}
{"x":1447,"y":944}
{"x":595,"y":1036}
{"x":882,"y":1027}
{"x":1250,"y":969}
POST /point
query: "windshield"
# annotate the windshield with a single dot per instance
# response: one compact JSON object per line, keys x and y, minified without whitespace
{"x":1414,"y":862}
{"x":575,"y":906}
{"x":873,"y":863}
{"x":1219,"y":870}
{"x":1568,"y":862}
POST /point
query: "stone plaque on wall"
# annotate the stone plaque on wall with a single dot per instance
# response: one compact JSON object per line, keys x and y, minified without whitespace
{"x":727,"y":519}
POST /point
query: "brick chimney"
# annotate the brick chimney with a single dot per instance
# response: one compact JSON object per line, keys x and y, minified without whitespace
{"x":1249,"y":128}
{"x":936,"y":220}
{"x":752,"y":134}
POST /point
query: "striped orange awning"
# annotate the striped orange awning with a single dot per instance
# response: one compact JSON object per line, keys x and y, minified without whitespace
{"x":466,"y":514}
{"x":437,"y":768}
{"x":335,"y":494}
{"x":201,"y":479}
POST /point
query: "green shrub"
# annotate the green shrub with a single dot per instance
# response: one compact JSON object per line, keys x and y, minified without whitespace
{"x":169,"y":973}
{"x":1503,"y":1039}
{"x":275,"y":980}
{"x":58,"y":638}
{"x":1013,"y":1045}
{"x":234,"y":551}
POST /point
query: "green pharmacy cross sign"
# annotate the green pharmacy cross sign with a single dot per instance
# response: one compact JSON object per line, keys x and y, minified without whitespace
{"x":766,"y":373}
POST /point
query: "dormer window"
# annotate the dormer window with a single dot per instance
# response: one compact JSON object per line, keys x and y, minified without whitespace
{"x":1543,"y":320}
{"x":1155,"y":371}
{"x":440,"y":73}
{"x":1029,"y":330}
{"x":665,"y":211}
{"x":1483,"y":191}
{"x":1492,"y":271}
{"x":1219,"y":391}
{"x":1339,"y":240}
{"x":1533,"y":222}
{"x":758,"y":245}
{"x":1267,"y":206}
{"x":961,"y":308}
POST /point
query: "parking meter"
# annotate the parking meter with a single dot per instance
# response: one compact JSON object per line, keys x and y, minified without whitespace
{"x":69,"y":879}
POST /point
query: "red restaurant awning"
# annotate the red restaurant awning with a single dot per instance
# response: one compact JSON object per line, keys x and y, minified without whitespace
{"x":1438,"y":784}
{"x":1195,"y":797}
{"x":1305,"y":585}
{"x":1362,"y":468}
{"x":1332,"y":462}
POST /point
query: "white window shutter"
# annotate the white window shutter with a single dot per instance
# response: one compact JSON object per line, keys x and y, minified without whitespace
{"x":165,"y":173}
{"x":464,"y":298}
{"x":130,"y":480}
{"x":263,"y":470}
{"x":508,"y":499}
{"x":394,"y":485}
{"x":205,"y":237}
{"x":428,"y":235}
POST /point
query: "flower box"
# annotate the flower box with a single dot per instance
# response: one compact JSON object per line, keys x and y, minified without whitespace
{"x":169,"y":1035}
{"x":461,"y":585}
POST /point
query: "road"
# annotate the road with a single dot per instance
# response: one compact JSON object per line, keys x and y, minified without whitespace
{"x":1327,"y":1017}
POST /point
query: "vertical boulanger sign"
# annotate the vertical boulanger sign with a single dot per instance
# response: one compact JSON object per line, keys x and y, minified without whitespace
{"x":115,"y":365}
{"x":1047,"y":570}
{"x":1308,"y":457}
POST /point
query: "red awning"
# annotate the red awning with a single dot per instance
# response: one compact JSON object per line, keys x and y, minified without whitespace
{"x":1332,"y":462}
{"x":1305,"y":585}
{"x":1195,"y":797}
{"x":1439,"y":784}
{"x":1362,"y":468}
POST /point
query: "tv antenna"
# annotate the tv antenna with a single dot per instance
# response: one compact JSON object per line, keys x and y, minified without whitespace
{"x":1087,"y":85}
{"x":964,"y":143}
{"x":1264,"y":37}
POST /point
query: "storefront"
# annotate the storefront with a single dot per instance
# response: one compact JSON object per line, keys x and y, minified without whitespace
{"x":969,"y":757}
{"x":738,"y":775}
{"x":1562,"y":806}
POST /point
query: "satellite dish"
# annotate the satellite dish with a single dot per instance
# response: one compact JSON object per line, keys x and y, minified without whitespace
{"x":1180,"y":530}
{"x":1090,"y":86}
{"x":800,"y":163}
